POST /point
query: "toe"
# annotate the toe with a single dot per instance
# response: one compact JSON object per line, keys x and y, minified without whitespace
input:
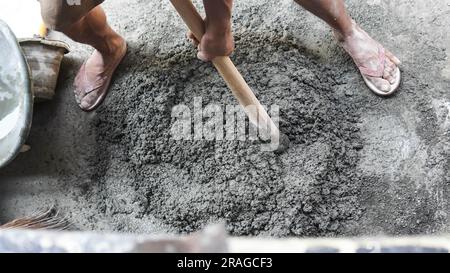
{"x":387,"y":76}
{"x":394,"y":73}
{"x":388,"y":69}
{"x":84,"y":105}
{"x":381,"y":84}
{"x":77,"y":99}
{"x":192,"y":38}
{"x":203,"y":56}
{"x":391,"y":80}
{"x":88,"y":101}
{"x":392,"y":68}
{"x":390,"y":65}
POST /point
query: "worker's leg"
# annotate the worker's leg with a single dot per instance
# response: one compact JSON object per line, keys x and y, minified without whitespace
{"x":84,"y":23}
{"x":331,"y":11}
{"x":355,"y":41}
{"x":87,"y":24}
{"x":94,"y":30}
{"x":218,"y":39}
{"x":58,"y":15}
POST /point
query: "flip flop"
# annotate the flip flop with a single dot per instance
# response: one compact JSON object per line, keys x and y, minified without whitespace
{"x":98,"y":91}
{"x":378,"y":73}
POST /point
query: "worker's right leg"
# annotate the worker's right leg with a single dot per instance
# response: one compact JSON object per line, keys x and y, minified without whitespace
{"x":378,"y":65}
{"x":86,"y":23}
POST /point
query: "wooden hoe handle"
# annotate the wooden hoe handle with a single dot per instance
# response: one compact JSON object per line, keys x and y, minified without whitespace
{"x":258,"y":116}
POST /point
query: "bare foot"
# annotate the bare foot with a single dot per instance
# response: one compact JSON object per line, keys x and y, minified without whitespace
{"x":214,"y":43}
{"x":377,"y":64}
{"x":93,"y":79}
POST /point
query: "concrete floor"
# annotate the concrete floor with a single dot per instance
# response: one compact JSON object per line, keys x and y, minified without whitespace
{"x":371,"y":166}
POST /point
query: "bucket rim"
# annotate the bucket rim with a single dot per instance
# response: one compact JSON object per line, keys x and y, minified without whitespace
{"x":55,"y":43}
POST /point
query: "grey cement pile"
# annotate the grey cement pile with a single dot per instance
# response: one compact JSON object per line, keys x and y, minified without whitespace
{"x":358,"y":164}
{"x":310,"y":190}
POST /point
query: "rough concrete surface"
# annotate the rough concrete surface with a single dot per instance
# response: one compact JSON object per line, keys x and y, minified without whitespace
{"x":358,"y":164}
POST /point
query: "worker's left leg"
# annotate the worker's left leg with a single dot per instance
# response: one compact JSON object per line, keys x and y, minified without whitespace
{"x":364,"y":50}
{"x":85,"y":22}
{"x":94,"y":77}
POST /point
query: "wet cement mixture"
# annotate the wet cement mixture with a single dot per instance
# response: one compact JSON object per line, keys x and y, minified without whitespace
{"x":358,"y":164}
